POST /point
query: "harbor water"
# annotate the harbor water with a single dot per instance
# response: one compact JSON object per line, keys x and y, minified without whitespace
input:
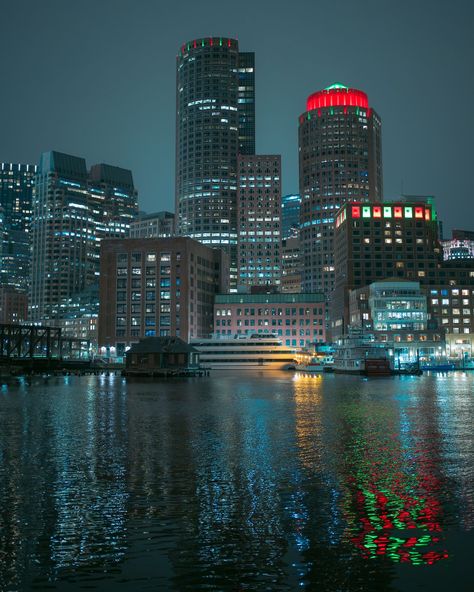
{"x":237,"y":481}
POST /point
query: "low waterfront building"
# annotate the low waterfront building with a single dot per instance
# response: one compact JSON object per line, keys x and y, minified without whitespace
{"x":460,"y":348}
{"x":154,"y":354}
{"x":395,"y":312}
{"x":298,"y":319}
{"x":157,"y":287}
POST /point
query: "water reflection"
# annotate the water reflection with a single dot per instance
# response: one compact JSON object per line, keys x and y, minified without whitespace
{"x":234,"y":482}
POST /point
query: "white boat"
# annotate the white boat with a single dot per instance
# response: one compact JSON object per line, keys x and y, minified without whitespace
{"x":317,"y":364}
{"x":242,"y":351}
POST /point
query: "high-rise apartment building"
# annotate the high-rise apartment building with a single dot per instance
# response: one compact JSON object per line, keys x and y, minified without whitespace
{"x":259,"y":220}
{"x":211,"y":126}
{"x":72,"y":211}
{"x":157,"y":287}
{"x":16,"y":190}
{"x":340,"y":159}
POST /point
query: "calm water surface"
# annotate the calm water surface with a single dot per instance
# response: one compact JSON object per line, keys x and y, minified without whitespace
{"x":237,"y":482}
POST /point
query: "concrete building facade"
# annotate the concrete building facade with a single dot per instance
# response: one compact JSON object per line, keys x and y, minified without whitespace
{"x":259,"y":220}
{"x":73,"y":210}
{"x":156,"y":225}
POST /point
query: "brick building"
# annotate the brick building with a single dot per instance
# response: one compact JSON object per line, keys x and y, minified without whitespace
{"x":297,"y":318}
{"x":157,"y":287}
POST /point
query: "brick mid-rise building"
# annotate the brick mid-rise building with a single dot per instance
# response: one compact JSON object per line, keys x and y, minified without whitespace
{"x":157,"y":287}
{"x":298,"y":319}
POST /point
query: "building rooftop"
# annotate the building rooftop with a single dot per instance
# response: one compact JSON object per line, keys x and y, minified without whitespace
{"x":337,"y":95}
{"x":279,"y":298}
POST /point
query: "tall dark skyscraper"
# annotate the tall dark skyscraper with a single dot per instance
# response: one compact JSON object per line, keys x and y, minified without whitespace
{"x":246,"y":103}
{"x":211,"y":125}
{"x":73,"y":209}
{"x":16,"y":188}
{"x":340,"y":159}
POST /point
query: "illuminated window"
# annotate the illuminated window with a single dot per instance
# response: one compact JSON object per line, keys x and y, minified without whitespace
{"x":387,"y":212}
{"x":397,"y":212}
{"x":418,"y":212}
{"x":377,"y":210}
{"x":356,"y":211}
{"x":366,"y":212}
{"x":408,"y":212}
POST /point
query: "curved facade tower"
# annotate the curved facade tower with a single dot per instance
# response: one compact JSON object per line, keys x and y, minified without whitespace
{"x":340,"y":159}
{"x":208,"y":124}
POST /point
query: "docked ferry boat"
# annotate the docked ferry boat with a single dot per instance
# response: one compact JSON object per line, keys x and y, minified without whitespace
{"x":317,"y":364}
{"x":360,"y":355}
{"x":254,"y":351}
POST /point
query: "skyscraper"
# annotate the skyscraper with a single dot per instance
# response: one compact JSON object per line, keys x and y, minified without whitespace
{"x":340,"y":159}
{"x":72,"y":211}
{"x":246,"y":102}
{"x":16,"y":188}
{"x":290,"y":215}
{"x":209,"y":130}
{"x":259,"y":220}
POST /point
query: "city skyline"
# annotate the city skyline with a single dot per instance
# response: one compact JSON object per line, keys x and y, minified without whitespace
{"x":125,"y":114}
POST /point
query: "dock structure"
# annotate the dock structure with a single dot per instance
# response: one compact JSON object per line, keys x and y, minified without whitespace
{"x":37,"y":348}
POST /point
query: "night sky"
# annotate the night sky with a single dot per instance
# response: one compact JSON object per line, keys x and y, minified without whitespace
{"x":96,"y":78}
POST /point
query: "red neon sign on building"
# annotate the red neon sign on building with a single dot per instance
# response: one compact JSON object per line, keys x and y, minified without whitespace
{"x":337,"y":95}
